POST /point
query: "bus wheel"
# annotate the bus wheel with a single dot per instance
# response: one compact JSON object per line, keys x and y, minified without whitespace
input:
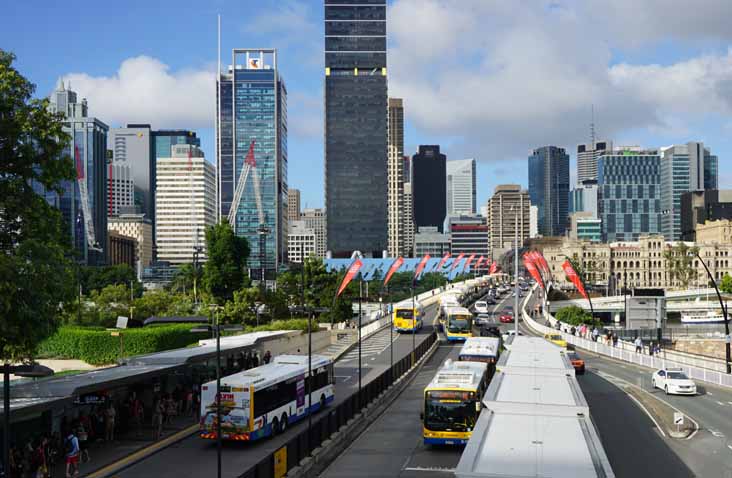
{"x":322,"y":402}
{"x":275,"y":426}
{"x":283,"y":424}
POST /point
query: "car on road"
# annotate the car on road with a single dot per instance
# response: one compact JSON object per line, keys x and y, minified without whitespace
{"x":556,"y":339}
{"x":506,"y":318}
{"x":673,"y":381}
{"x":481,"y":307}
{"x":484,"y":319}
{"x":577,"y":362}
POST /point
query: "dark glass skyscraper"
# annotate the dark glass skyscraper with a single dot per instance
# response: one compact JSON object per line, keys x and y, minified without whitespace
{"x":429,"y":187}
{"x":356,"y":126}
{"x":253,"y":114}
{"x":549,"y":189}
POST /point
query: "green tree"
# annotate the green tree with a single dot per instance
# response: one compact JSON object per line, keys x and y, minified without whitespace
{"x":97,"y":278}
{"x":725,"y":285}
{"x":240,"y":310}
{"x":680,"y":263}
{"x":35,"y":272}
{"x":224,"y":271}
{"x":574,"y":315}
{"x":185,"y":277}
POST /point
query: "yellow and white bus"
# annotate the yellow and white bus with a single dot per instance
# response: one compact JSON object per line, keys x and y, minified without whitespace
{"x":407,"y":317}
{"x":452,"y":403}
{"x":482,"y":349}
{"x":458,"y":324}
{"x":265,"y":400}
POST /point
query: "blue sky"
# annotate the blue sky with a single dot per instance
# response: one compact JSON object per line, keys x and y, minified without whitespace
{"x":489,"y":79}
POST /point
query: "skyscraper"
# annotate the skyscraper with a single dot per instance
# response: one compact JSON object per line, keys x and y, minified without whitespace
{"x":429,"y":185}
{"x":686,"y":167}
{"x":314,"y":220}
{"x":587,"y":155}
{"x":185,"y":195}
{"x":293,"y":204}
{"x":356,"y":126}
{"x":461,"y":187}
{"x":88,"y":195}
{"x":396,"y":177}
{"x":549,"y":188}
{"x":508,"y":214}
{"x":252,"y":130}
{"x":629,"y":192}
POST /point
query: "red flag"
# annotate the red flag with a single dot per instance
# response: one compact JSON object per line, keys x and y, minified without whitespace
{"x":494,"y":268}
{"x":531,"y":268}
{"x":420,"y":267}
{"x":442,"y":261}
{"x":574,"y":278}
{"x":352,"y":271}
{"x":394,"y":267}
{"x":469,"y":261}
{"x":456,"y":261}
{"x":480,"y":261}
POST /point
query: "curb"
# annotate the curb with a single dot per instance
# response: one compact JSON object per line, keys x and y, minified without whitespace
{"x":333,"y":447}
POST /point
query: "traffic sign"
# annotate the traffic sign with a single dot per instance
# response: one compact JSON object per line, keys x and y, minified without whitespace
{"x":678,"y":418}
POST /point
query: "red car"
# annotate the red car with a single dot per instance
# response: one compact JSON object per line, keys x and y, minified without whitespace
{"x":506,"y":318}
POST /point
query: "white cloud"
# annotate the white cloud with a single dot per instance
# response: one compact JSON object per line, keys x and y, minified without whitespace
{"x":145,"y":90}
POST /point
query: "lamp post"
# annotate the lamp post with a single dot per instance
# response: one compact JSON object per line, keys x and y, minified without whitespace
{"x":516,"y":269}
{"x":32,"y":370}
{"x":310,"y":341}
{"x":217,"y":328}
{"x":728,"y":353}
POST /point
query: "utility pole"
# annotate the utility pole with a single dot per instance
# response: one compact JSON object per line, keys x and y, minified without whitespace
{"x":516,"y":269}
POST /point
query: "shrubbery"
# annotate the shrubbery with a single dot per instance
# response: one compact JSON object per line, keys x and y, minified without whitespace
{"x":97,"y":346}
{"x":574,"y":315}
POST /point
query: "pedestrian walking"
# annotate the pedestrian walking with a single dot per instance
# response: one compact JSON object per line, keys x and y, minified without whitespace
{"x":157,"y":419}
{"x":651,"y":348}
{"x":83,"y":437}
{"x":638,"y":345}
{"x":615,"y":339}
{"x":110,"y":415}
{"x":71,"y":448}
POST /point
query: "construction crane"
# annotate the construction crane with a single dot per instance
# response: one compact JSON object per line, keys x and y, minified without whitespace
{"x":91,"y":239}
{"x":250,"y":167}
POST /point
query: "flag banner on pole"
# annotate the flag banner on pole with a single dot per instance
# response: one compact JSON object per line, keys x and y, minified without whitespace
{"x":394,"y":267}
{"x":542,"y":261}
{"x":574,"y":278}
{"x":442,"y":261}
{"x":480,"y":261}
{"x":469,"y":261}
{"x":420,"y":267}
{"x":456,"y":261}
{"x":494,"y":268}
{"x":352,"y":271}
{"x":533,"y":271}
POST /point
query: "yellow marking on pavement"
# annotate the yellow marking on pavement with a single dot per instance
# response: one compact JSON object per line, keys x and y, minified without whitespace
{"x":142,"y":453}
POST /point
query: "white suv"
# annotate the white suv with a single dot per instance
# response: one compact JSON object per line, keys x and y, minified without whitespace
{"x":673,"y":381}
{"x":481,"y":307}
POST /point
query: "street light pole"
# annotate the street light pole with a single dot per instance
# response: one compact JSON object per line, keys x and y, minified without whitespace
{"x":728,"y":353}
{"x":6,"y":421}
{"x":310,"y":342}
{"x":218,"y":391}
{"x":414,"y":325}
{"x":360,"y":287}
{"x":516,"y":269}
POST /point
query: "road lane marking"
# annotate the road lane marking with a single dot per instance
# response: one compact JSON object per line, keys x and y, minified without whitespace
{"x":716,"y":433}
{"x":637,"y":402}
{"x":720,"y":403}
{"x":730,"y":403}
{"x":710,"y":394}
{"x":729,"y":446}
{"x":437,"y":469}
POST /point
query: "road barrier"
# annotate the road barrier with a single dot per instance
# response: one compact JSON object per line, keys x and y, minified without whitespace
{"x":326,"y":423}
{"x":629,"y":355}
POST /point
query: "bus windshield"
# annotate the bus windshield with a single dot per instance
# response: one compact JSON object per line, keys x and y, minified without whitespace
{"x":457,"y":324}
{"x":404,"y":313}
{"x":452,"y":415}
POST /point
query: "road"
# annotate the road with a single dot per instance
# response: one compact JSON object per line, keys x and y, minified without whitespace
{"x":195,"y":457}
{"x":393,"y":443}
{"x":631,"y":440}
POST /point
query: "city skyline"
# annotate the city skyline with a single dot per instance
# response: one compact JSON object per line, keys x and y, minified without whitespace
{"x":188,"y":64}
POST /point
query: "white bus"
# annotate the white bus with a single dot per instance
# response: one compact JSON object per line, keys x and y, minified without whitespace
{"x":265,"y":400}
{"x":480,"y":349}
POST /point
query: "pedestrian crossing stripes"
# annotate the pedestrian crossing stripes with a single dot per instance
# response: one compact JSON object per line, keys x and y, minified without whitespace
{"x":370,"y":347}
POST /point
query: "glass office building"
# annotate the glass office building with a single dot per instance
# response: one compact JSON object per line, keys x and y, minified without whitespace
{"x":629,"y":194}
{"x":356,"y":126}
{"x":429,"y":187}
{"x":252,"y":110}
{"x":549,"y":189}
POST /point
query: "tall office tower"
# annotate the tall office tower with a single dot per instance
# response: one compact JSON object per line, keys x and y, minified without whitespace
{"x":584,"y":198}
{"x":686,"y":167}
{"x":629,"y":193}
{"x":120,"y":189}
{"x":252,"y":129}
{"x":315,"y":220}
{"x":293,"y":204}
{"x":356,"y":109}
{"x":468,"y":235}
{"x":429,"y":187}
{"x":461,"y":186}
{"x":587,"y":155}
{"x":133,"y":149}
{"x":549,"y":188}
{"x":533,"y":221}
{"x":185,"y":195}
{"x":396,"y":177}
{"x":301,"y":242}
{"x":508,"y":214}
{"x":408,"y":221}
{"x":87,"y":196}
